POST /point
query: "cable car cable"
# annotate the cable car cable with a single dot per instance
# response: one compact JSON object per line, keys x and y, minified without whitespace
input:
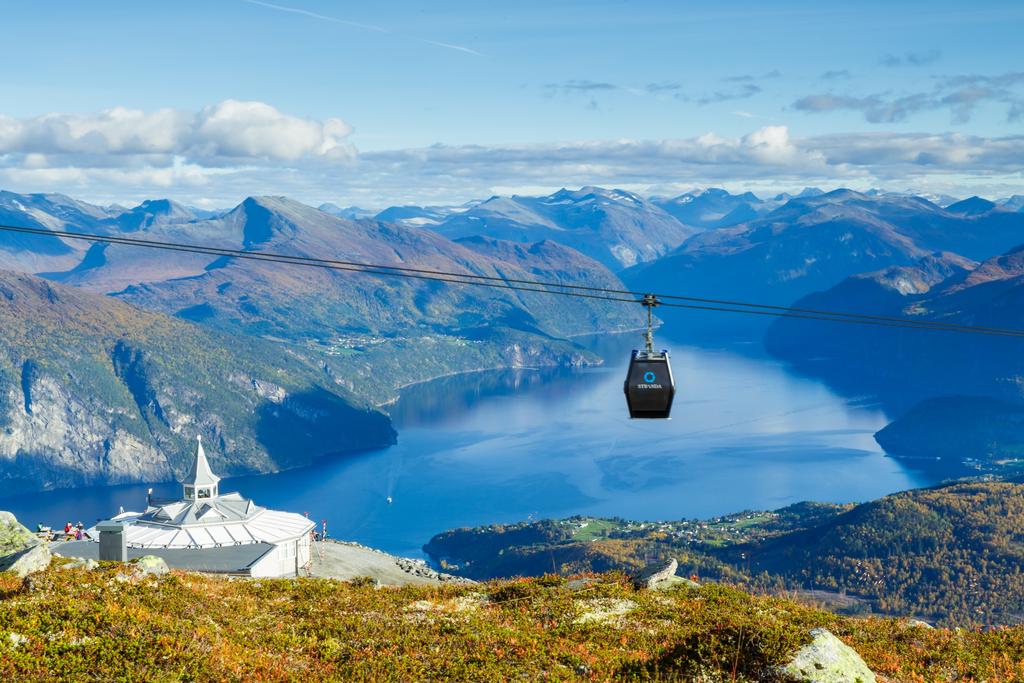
{"x":224,"y":251}
{"x":606,"y":291}
{"x":992,"y":332}
{"x":303,"y":261}
{"x":581,"y":291}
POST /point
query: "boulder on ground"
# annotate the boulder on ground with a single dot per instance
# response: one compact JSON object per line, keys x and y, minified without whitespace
{"x":13,"y":536}
{"x":20,"y":550}
{"x":580,"y":583}
{"x":653,"y":574}
{"x":674,"y":582}
{"x":918,"y":623}
{"x":28,"y":561}
{"x":81,"y":563}
{"x":602,"y":610}
{"x":826,"y":659}
{"x":147,"y":565}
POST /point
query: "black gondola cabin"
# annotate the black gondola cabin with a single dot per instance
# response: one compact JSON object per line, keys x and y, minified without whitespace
{"x":649,"y":387}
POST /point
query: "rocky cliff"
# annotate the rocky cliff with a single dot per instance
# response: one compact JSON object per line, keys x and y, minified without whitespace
{"x":94,"y":391}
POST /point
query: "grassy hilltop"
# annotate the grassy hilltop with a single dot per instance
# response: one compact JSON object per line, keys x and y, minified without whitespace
{"x":75,"y":624}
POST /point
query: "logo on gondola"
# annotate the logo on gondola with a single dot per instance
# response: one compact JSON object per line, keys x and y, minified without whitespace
{"x":650,"y":377}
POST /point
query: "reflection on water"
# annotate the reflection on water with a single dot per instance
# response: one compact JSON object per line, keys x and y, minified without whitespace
{"x":443,"y":401}
{"x":504,"y":446}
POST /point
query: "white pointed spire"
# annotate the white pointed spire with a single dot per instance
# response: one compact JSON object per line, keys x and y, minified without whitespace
{"x":200,"y":474}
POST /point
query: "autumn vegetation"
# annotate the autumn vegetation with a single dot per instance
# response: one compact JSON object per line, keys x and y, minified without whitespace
{"x":74,"y":624}
{"x":952,"y":555}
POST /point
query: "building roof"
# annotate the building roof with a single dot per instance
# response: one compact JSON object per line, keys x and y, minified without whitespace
{"x":230,"y":507}
{"x":200,"y":473}
{"x":216,"y":521}
{"x":266,"y":526}
{"x":229,"y":559}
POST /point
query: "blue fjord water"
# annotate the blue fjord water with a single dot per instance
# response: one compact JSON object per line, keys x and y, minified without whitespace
{"x":507,"y":446}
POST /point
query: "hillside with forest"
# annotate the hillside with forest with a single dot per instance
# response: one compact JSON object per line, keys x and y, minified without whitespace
{"x":950,"y":554}
{"x":95,"y":391}
{"x":373,"y":334}
{"x":811,"y":243}
{"x":952,"y":395}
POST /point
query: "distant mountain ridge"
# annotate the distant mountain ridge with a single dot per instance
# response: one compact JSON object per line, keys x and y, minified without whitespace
{"x":882,"y":252}
{"x":712,"y":208}
{"x":972,"y":206}
{"x":615,"y":227}
{"x":954,"y":396}
{"x":154,"y":211}
{"x":373,"y":333}
{"x":812,"y":243}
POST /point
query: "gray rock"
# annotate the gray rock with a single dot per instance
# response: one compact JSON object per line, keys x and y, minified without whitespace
{"x":20,"y":551}
{"x":602,"y":610}
{"x":346,"y":560}
{"x":653,"y":574}
{"x":580,"y":583}
{"x":81,"y":563}
{"x":826,"y":659}
{"x":29,"y":561}
{"x":674,"y":582}
{"x":918,"y":623}
{"x":149,"y":565}
{"x":13,"y":536}
{"x":65,"y":433}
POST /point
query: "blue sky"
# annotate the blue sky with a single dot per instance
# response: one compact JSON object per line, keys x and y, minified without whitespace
{"x":448,"y":101}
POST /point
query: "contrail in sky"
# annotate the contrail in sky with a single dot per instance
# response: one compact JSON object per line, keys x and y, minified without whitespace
{"x":314,"y":15}
{"x":451,"y":47}
{"x":356,"y":24}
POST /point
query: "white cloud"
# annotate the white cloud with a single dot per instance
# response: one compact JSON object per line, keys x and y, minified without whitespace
{"x":766,"y":157}
{"x":227,"y":151}
{"x":227,"y":131}
{"x":254,"y":130}
{"x":772,"y":145}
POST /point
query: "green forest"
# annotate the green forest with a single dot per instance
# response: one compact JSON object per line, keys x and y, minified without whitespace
{"x":950,"y":555}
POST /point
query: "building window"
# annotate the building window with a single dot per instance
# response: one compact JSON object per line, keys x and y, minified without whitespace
{"x":190,"y":492}
{"x":203,"y":493}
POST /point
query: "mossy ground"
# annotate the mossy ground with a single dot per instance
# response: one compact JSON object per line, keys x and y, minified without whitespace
{"x":84,"y":625}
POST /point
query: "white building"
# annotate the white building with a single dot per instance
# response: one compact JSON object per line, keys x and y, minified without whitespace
{"x":205,"y":530}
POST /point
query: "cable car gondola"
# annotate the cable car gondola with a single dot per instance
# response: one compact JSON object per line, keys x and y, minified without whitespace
{"x":649,"y":385}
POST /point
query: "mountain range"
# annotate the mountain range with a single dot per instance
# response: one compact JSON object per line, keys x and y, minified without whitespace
{"x":366,"y":335}
{"x":342,"y":339}
{"x":812,"y":243}
{"x":615,"y":227}
{"x":374,"y":334}
{"x":713,"y":208}
{"x":878,"y":252}
{"x":956,"y":396}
